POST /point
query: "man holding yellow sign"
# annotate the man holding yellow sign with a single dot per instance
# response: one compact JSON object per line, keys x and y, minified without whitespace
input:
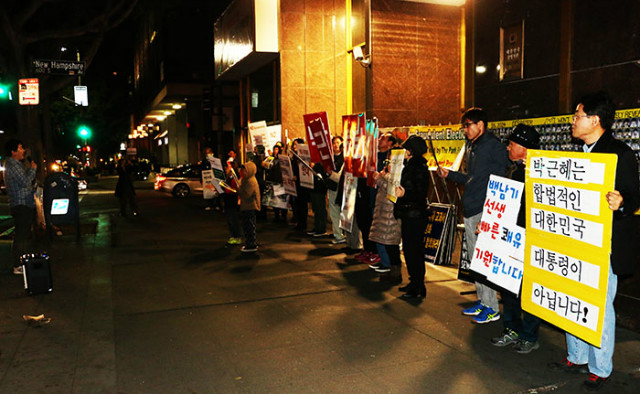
{"x":592,"y":123}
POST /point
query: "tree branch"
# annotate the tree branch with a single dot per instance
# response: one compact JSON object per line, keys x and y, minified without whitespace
{"x":22,"y":17}
{"x":98,"y":24}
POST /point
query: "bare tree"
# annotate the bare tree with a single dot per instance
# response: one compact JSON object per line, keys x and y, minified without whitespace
{"x":29,"y":29}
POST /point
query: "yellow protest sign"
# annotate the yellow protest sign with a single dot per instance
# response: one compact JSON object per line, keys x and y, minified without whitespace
{"x":568,"y":239}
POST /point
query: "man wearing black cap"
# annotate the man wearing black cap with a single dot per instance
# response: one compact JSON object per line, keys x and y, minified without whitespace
{"x":520,"y":327}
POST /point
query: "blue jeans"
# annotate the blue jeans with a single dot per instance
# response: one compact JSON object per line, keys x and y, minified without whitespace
{"x":385,"y":261}
{"x":600,"y":360}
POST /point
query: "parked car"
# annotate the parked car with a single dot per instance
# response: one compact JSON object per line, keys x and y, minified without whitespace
{"x":180,"y":181}
{"x":142,"y":170}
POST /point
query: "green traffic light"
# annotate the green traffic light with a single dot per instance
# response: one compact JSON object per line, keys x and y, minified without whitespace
{"x":4,"y":91}
{"x":84,"y":132}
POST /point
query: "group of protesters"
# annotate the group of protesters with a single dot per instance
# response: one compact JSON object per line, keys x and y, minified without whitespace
{"x":381,"y":226}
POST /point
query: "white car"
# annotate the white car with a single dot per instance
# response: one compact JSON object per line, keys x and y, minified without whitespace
{"x":180,"y":181}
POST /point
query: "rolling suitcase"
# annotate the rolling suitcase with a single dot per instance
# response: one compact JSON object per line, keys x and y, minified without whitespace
{"x":36,"y":273}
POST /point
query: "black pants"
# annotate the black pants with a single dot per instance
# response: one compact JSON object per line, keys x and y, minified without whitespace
{"x":24,"y":218}
{"x":302,"y":208}
{"x":249,"y":228}
{"x":394,"y":254}
{"x":128,"y":205}
{"x":413,"y":246}
{"x":364,"y":218}
{"x":231,"y":214}
{"x":514,"y":318}
{"x":319,"y":207}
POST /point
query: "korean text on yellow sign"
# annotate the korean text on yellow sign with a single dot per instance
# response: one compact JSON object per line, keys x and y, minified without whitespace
{"x":568,"y":239}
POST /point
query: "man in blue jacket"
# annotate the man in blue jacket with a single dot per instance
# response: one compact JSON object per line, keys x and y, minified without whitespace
{"x":485,"y":155}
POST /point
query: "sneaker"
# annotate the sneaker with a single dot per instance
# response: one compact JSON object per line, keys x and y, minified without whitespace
{"x":567,"y":366}
{"x":339,"y":241}
{"x":486,"y":316}
{"x":311,"y":233}
{"x":372,"y":259}
{"x":507,"y":337}
{"x":317,"y":235}
{"x":18,"y":270}
{"x":473,"y":310}
{"x":362,"y":256}
{"x":594,"y":382}
{"x":374,"y":266}
{"x":526,"y":347}
{"x":383,"y":270}
{"x":248,"y":250}
{"x":234,"y":241}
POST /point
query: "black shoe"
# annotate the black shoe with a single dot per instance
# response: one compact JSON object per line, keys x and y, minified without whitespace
{"x":594,"y":382}
{"x":567,"y":366}
{"x":405,"y":288}
{"x":412,"y":294}
{"x":390,"y":279}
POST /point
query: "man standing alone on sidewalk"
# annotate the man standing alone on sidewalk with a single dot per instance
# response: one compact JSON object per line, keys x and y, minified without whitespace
{"x":20,"y":182}
{"x":485,"y":155}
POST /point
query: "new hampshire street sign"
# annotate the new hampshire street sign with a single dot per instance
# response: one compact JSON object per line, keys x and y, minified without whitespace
{"x":58,"y":67}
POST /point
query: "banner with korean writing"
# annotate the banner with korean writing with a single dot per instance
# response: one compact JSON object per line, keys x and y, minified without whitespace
{"x":436,"y":217}
{"x":499,"y":251}
{"x":372,"y":151}
{"x":568,"y":239}
{"x":306,"y":176}
{"x":288,"y":180}
{"x":209,"y":189}
{"x":319,"y":137}
{"x":347,"y":211}
{"x":396,"y":164}
{"x":355,"y":149}
{"x":257,"y":133}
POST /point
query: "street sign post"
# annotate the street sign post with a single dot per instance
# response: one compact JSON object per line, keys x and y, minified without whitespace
{"x":81,"y":96}
{"x":28,"y":91}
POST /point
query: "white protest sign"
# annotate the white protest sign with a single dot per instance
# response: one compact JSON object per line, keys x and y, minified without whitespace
{"x":287,"y":175}
{"x":306,"y":176}
{"x":499,"y":251}
{"x":209,"y":189}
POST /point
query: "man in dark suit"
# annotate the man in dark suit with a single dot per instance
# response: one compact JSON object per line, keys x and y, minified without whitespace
{"x":592,"y":122}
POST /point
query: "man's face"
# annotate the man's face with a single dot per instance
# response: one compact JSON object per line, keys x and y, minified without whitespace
{"x":472,"y":130}
{"x":583,"y":125}
{"x":516,"y":151}
{"x":18,"y":154}
{"x":384,"y":144}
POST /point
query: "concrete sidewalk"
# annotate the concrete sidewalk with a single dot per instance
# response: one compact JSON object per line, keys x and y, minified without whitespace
{"x":162,"y":305}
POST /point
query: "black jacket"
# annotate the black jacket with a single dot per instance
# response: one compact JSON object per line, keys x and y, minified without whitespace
{"x":485,"y":156}
{"x":415,"y":181}
{"x":625,"y":239}
{"x":516,"y":173}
